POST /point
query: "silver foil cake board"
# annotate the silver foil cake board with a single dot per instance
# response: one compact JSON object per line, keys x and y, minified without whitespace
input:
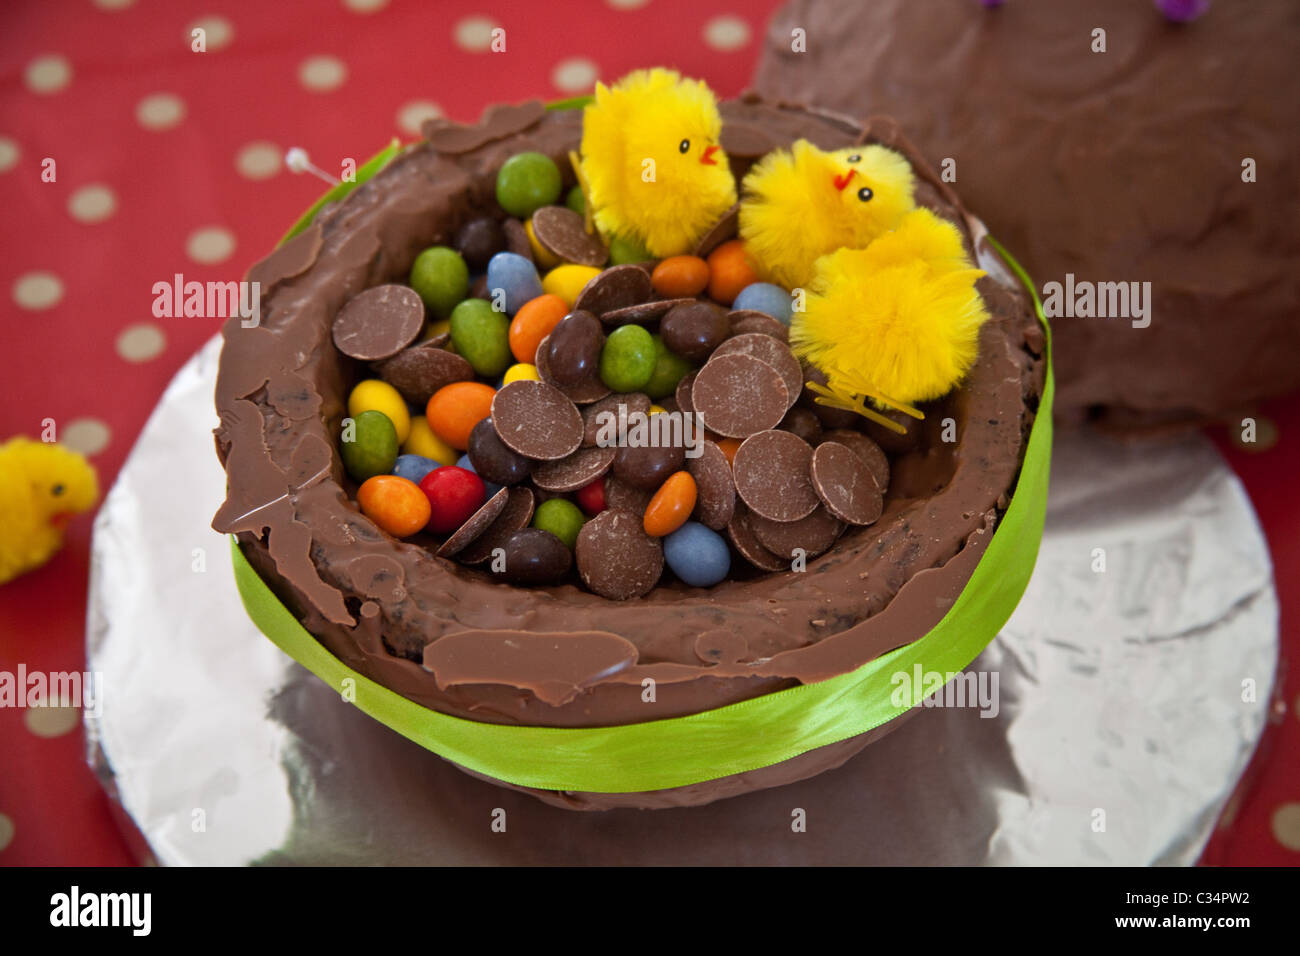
{"x":1121,"y":729}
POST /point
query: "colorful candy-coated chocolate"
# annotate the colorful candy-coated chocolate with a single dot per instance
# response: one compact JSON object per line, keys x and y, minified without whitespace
{"x":697,"y":555}
{"x":441,"y":277}
{"x":534,"y":556}
{"x":628,"y":359}
{"x":680,"y":277}
{"x":562,"y":518}
{"x":422,"y":441}
{"x":435,"y":329}
{"x":526,"y":182}
{"x":511,"y":281}
{"x":567,"y":281}
{"x":534,"y":322}
{"x":668,"y":370}
{"x":520,"y":370}
{"x":455,"y":409}
{"x":368,"y":445}
{"x":490,"y":487}
{"x":544,"y":258}
{"x":375,"y":395}
{"x":728,"y":447}
{"x":591,"y":497}
{"x":394,"y":503}
{"x":574,"y":350}
{"x":481,"y":336}
{"x":671,"y":505}
{"x":479,"y":240}
{"x":767,"y":298}
{"x":413,"y":467}
{"x":576,"y":201}
{"x":729,"y":271}
{"x":656,"y":410}
{"x":454,"y":494}
{"x":624,"y":250}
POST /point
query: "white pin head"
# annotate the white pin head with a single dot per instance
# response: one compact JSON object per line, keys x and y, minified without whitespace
{"x":297,"y":161}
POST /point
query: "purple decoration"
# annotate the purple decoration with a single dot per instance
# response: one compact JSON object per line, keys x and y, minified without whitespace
{"x":1182,"y":11}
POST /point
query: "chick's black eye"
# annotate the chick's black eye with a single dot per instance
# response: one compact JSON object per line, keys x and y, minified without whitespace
{"x":684,"y":146}
{"x":865,"y":193}
{"x":57,"y":490}
{"x":855,"y":158}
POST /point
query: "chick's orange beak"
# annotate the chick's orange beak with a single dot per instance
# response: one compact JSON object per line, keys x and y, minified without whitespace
{"x":707,"y":156}
{"x":61,"y":519}
{"x":843,"y":179}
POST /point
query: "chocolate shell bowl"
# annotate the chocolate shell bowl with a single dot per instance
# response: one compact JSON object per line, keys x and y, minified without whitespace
{"x":457,"y":640}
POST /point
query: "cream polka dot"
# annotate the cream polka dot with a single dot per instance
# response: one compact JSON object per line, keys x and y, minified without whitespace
{"x":6,"y":831}
{"x":320,"y":74}
{"x":210,"y":244}
{"x":140,"y":343}
{"x":575,"y":75}
{"x":48,"y":74}
{"x":51,"y":721}
{"x":726,"y":33}
{"x":365,"y":6}
{"x":259,"y":160}
{"x":217,"y":33}
{"x":474,"y":33}
{"x":1286,"y":825}
{"x":412,"y":115}
{"x":627,"y":4}
{"x":93,"y":203}
{"x":38,"y":290}
{"x":8,"y":154}
{"x":160,"y":111}
{"x":113,"y":4}
{"x":89,"y":436}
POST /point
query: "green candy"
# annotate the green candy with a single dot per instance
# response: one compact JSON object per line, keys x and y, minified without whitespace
{"x":628,"y":359}
{"x":626,"y":251}
{"x":482,"y":337}
{"x":372,"y":449}
{"x":441,"y":278}
{"x":527,"y":182}
{"x":668,"y":371}
{"x":577,"y":201}
{"x":561,"y":518}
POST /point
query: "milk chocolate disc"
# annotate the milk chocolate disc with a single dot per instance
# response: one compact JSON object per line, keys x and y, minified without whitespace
{"x":592,"y":390}
{"x":739,"y":395}
{"x":593,"y":415}
{"x":478,"y":522}
{"x":562,"y":232}
{"x":867,"y":450}
{"x":517,"y":239}
{"x":516,"y":514}
{"x":420,"y":371}
{"x":536,"y":420}
{"x":722,"y":230}
{"x":845,"y":484}
{"x":379,"y":323}
{"x":747,"y":321}
{"x":751,"y":549}
{"x":616,"y":558}
{"x":642,"y":312}
{"x":619,"y":494}
{"x":812,"y":535}
{"x":771,"y":475}
{"x":715,"y":501}
{"x":683,"y":394}
{"x":772,"y":351}
{"x":615,"y":288}
{"x":569,"y":474}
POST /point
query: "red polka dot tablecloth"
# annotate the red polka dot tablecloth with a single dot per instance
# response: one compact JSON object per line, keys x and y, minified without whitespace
{"x":140,"y":139}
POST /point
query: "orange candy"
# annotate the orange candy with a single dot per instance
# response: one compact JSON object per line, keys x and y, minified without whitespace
{"x":680,"y":277}
{"x":455,"y":409}
{"x":534,"y":322}
{"x":671,"y":505}
{"x":397,"y":505}
{"x":729,"y":446}
{"x":729,"y":271}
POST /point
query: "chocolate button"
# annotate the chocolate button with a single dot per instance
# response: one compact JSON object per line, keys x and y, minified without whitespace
{"x":594,"y":415}
{"x":739,"y":395}
{"x":813,"y":534}
{"x":615,"y":288}
{"x":771,"y":475}
{"x":748,"y":321}
{"x":642,"y":313}
{"x":534,"y":557}
{"x":683,"y":394}
{"x":569,"y":474}
{"x":420,"y":371}
{"x":844,"y":483}
{"x":592,"y":390}
{"x":867,"y":450}
{"x":536,"y":420}
{"x":379,"y":323}
{"x":516,"y":514}
{"x":478,"y":522}
{"x":722,"y":230}
{"x":563,"y":233}
{"x":695,"y":329}
{"x":751,"y":549}
{"x":619,"y":494}
{"x":492,"y":460}
{"x":616,"y":558}
{"x":715,"y":501}
{"x":772,"y":351}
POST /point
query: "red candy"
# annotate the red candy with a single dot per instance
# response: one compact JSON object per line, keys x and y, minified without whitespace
{"x":591,"y":497}
{"x":454,"y":495}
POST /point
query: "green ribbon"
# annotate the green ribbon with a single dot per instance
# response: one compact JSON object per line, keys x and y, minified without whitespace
{"x":716,"y":743}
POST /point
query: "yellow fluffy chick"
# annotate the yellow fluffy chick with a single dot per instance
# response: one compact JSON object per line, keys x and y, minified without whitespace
{"x":42,"y":485}
{"x":897,"y":322}
{"x":652,"y":163}
{"x":805,"y":203}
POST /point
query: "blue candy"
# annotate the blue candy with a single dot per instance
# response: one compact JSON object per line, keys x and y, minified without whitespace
{"x":413,"y":467}
{"x":698,"y":556}
{"x":492,"y":488}
{"x":767,"y":298}
{"x":516,"y":277}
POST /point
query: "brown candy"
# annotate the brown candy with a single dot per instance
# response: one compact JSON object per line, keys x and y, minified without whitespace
{"x":746,"y":321}
{"x":739,"y":395}
{"x":772,"y":351}
{"x":536,"y":420}
{"x":562,"y":232}
{"x":535,"y":557}
{"x":592,"y":390}
{"x":751,"y":549}
{"x":771,"y":475}
{"x":694,"y":330}
{"x":516,"y":514}
{"x":867,"y":450}
{"x":569,"y":474}
{"x":812,"y":535}
{"x":619,"y":494}
{"x":647,"y":467}
{"x":492,"y":460}
{"x":637,"y":403}
{"x":616,"y":558}
{"x":715,"y":492}
{"x":725,"y":228}
{"x":517,"y":239}
{"x":479,"y":240}
{"x":478,"y":522}
{"x":683,"y":394}
{"x":845,"y":484}
{"x":379,"y":323}
{"x":615,"y":288}
{"x":802,"y":422}
{"x":574,"y":349}
{"x":420,"y":371}
{"x":829,"y":417}
{"x":642,"y":313}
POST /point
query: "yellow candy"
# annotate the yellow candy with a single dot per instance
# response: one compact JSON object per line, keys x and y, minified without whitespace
{"x":567,"y":281}
{"x":521,"y":370}
{"x":372,"y":394}
{"x":436,"y":328}
{"x":655,"y":410}
{"x":422,"y":441}
{"x":544,"y":257}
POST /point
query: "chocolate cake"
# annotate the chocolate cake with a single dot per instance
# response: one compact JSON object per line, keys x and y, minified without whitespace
{"x":458,"y":640}
{"x":1126,"y":165}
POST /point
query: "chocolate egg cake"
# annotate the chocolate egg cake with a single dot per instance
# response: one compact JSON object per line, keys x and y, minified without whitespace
{"x":891,"y":525}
